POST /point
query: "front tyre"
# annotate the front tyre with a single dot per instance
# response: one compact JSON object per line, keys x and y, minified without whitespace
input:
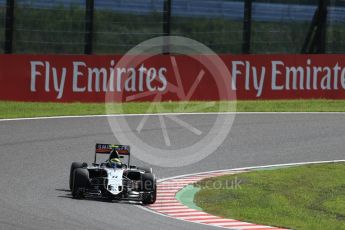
{"x":80,"y":183}
{"x":149,"y":198}
{"x":149,"y":188}
{"x":74,"y":166}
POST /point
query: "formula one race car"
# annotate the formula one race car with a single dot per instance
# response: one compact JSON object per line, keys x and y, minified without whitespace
{"x":112,"y":179}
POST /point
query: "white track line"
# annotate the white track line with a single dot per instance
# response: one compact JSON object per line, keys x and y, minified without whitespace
{"x":157,"y":114}
{"x":253,"y":167}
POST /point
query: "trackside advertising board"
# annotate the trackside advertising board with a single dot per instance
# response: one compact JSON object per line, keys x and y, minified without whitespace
{"x":69,"y":78}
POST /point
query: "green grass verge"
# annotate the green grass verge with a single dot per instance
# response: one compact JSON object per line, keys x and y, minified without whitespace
{"x":35,"y":109}
{"x":303,"y":197}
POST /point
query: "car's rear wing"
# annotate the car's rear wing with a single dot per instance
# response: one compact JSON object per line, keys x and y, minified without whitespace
{"x":122,"y":150}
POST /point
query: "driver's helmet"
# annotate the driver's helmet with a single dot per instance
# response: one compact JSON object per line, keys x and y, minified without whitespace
{"x":115,"y":163}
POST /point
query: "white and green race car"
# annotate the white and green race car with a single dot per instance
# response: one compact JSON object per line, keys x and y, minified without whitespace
{"x":113,"y":179}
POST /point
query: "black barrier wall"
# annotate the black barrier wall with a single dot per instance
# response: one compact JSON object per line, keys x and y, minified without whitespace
{"x":226,"y":26}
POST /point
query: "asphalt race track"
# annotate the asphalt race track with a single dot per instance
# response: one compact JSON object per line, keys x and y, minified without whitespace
{"x":36,"y":156}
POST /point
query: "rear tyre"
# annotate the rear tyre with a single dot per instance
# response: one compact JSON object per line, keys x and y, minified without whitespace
{"x":149,"y":187}
{"x":80,"y":182}
{"x":74,"y":166}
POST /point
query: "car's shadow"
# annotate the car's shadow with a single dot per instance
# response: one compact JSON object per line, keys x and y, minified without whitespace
{"x":68,"y":195}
